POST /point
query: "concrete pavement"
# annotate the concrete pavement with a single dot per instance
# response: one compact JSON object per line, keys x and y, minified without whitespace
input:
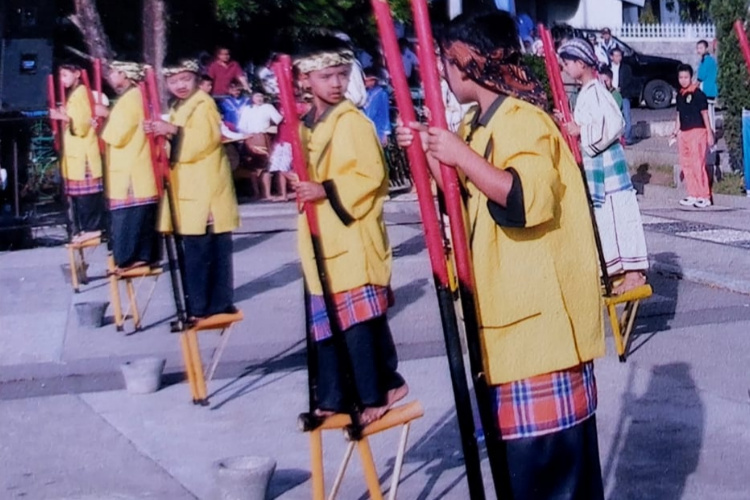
{"x":673,"y":421}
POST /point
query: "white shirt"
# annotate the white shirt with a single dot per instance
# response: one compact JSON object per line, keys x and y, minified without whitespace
{"x":616,"y":75}
{"x":599,"y":117}
{"x":601,"y":54}
{"x":258,"y":119}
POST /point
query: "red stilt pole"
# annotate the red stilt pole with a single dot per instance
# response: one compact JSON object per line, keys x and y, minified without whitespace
{"x":434,"y":243}
{"x":92,"y":103}
{"x":739,"y":28}
{"x":52,"y":103}
{"x":454,"y":205}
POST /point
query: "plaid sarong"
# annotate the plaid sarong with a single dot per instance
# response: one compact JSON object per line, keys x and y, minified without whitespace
{"x":352,"y":307}
{"x":88,"y":185}
{"x":545,"y":403}
{"x":607,"y":173}
{"x":132,"y":201}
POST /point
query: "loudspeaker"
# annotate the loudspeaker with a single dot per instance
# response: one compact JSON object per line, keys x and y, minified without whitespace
{"x":24,"y":66}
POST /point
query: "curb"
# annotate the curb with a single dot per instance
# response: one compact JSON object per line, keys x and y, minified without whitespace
{"x":702,"y":277}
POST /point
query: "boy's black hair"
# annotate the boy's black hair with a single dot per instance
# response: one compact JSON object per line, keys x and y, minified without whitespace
{"x":70,"y":65}
{"x":703,"y":42}
{"x":487,"y":30}
{"x":371,"y":72}
{"x":616,"y":49}
{"x":317,"y":42}
{"x":206,"y":78}
{"x":685,"y":68}
{"x":605,"y":70}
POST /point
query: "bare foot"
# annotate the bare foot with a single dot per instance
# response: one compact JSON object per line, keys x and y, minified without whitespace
{"x":323,"y":413}
{"x":369,"y":415}
{"x":633,"y":279}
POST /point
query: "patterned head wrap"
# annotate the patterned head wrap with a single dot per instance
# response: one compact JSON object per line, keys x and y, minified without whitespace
{"x":579,"y":49}
{"x":132,"y":70}
{"x":501,"y":70}
{"x":182,"y":66}
{"x":323,"y":60}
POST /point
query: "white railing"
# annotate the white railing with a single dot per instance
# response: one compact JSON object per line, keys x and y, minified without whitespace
{"x":666,"y":31}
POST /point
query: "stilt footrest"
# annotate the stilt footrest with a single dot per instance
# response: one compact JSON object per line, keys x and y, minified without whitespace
{"x":133,"y":312}
{"x":77,"y":261}
{"x":622,"y":323}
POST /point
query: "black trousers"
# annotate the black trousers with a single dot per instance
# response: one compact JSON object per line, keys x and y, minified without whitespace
{"x":209,"y":281}
{"x":88,"y":212}
{"x":559,"y":466}
{"x":374,"y":361}
{"x":134,"y":236}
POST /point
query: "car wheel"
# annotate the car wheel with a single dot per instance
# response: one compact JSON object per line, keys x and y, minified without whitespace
{"x":658,"y":94}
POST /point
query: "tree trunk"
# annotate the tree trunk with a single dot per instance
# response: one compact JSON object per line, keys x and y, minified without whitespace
{"x":89,"y":23}
{"x":155,"y":37}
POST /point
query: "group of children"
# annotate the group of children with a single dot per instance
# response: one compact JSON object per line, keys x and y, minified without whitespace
{"x":532,"y":238}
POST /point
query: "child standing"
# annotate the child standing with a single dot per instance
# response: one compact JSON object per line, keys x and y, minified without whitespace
{"x":203,"y":192}
{"x":534,"y":260}
{"x":131,"y":187}
{"x":377,"y":106}
{"x":232,"y":105}
{"x":81,"y":163}
{"x":347,"y":189}
{"x":599,"y":123}
{"x":257,"y":121}
{"x":693,"y":130}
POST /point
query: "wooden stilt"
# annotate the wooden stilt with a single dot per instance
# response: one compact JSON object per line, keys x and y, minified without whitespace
{"x":132,"y":304}
{"x":399,"y":465}
{"x":368,"y":467}
{"x":342,"y":470}
{"x":188,"y":360}
{"x":73,"y":269}
{"x":114,"y":292}
{"x":622,"y":324}
{"x":200,"y":381}
{"x":316,"y":459}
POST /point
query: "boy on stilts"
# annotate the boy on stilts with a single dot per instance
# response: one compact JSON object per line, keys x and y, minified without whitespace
{"x":599,"y":123}
{"x":348,"y":188}
{"x":81,"y":164}
{"x":534,"y":260}
{"x":131,"y":187}
{"x":202,"y":190}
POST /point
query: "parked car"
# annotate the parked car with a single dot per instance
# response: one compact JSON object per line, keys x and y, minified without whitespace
{"x":654,"y":77}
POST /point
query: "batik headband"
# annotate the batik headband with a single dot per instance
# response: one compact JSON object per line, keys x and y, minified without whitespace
{"x":132,"y":70}
{"x":500,"y":70}
{"x":580,"y":49}
{"x":323,"y":60}
{"x":181,"y":67}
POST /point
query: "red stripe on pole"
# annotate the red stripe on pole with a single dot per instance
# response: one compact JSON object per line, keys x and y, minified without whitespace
{"x":434,"y":100}
{"x":283,"y":70}
{"x":739,"y":28}
{"x":52,"y":103}
{"x":92,"y":104}
{"x":557,"y":86}
{"x":161,"y":167}
{"x":415,"y":153}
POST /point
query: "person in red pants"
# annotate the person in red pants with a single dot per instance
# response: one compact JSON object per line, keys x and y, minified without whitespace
{"x":693,"y":131}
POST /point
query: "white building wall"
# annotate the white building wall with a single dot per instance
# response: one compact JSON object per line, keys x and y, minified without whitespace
{"x":589,"y":13}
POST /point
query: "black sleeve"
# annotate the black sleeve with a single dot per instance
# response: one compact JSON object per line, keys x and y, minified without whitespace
{"x":333,"y":198}
{"x":175,"y":145}
{"x":513,"y":214}
{"x":701,"y":102}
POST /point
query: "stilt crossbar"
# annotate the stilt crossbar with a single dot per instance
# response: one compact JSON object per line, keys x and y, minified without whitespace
{"x":399,"y":416}
{"x":622,"y":321}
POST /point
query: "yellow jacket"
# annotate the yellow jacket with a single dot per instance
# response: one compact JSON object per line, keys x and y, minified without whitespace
{"x":201,"y":178}
{"x":344,"y":154}
{"x":537,"y":286}
{"x":80,"y":144}
{"x":128,"y":155}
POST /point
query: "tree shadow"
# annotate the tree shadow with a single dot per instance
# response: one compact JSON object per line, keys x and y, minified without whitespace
{"x":407,"y":295}
{"x":277,"y":278}
{"x":655,"y":316}
{"x":413,"y":246}
{"x":437,"y":452}
{"x":249,"y":240}
{"x":663,"y":435}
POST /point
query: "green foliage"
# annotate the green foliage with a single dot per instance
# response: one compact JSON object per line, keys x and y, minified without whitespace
{"x":539,"y":69}
{"x":290,"y":17}
{"x":647,"y":15}
{"x":733,"y":74}
{"x":694,"y":11}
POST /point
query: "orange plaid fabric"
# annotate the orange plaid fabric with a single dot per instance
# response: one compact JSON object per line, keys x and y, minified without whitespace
{"x":352,"y":307}
{"x":546,"y":403}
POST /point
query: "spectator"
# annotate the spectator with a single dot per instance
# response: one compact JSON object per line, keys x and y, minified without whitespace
{"x":223,"y":70}
{"x":693,"y":130}
{"x":258,"y":121}
{"x":601,"y":54}
{"x":622,"y":76}
{"x":707,"y":74}
{"x":605,"y":75}
{"x":206,"y":84}
{"x":410,"y":60}
{"x":525,"y":27}
{"x":608,"y":43}
{"x":231,"y":106}
{"x":377,"y":106}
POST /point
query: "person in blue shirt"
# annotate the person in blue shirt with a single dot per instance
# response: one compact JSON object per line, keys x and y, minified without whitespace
{"x":231,"y":106}
{"x":377,"y":106}
{"x":708,"y":72}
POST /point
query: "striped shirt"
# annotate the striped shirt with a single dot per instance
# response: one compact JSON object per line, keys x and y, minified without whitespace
{"x":545,"y":404}
{"x":352,"y":307}
{"x":132,"y":201}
